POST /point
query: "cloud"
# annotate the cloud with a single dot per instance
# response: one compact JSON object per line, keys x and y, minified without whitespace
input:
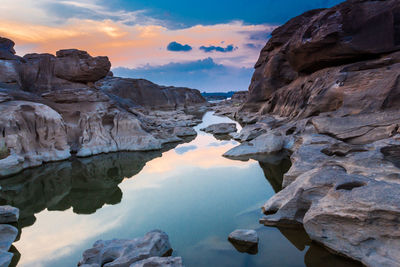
{"x":177,"y":47}
{"x":213,"y":48}
{"x":184,"y":149}
{"x":254,"y":46}
{"x":133,"y":45}
{"x":205,"y":75}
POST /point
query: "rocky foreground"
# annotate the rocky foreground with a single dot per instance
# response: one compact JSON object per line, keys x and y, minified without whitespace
{"x":326,"y":88}
{"x":56,"y":106}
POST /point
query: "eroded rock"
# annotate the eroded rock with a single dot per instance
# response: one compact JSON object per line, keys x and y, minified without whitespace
{"x":244,"y":240}
{"x":220,"y":128}
{"x":125,"y":252}
{"x":266,"y":143}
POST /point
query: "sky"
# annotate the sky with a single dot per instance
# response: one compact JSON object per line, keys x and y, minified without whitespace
{"x":208,"y":45}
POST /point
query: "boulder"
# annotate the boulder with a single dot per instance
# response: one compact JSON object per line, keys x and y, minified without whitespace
{"x":8,"y":214}
{"x":33,"y":133}
{"x":8,"y":234}
{"x":220,"y":128}
{"x":159,"y":262}
{"x":78,"y":66}
{"x":249,"y":132}
{"x":125,"y":252}
{"x":325,"y":60}
{"x":71,"y":68}
{"x":244,"y":240}
{"x":265,"y":143}
{"x":140,"y":92}
{"x":7,"y":51}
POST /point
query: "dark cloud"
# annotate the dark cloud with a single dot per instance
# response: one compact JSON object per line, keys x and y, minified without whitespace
{"x":212,"y":48}
{"x":177,"y":47}
{"x":205,"y":75}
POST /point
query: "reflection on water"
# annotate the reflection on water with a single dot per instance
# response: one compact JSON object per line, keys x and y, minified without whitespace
{"x":191,"y":192}
{"x":275,"y":168}
{"x":83,"y":184}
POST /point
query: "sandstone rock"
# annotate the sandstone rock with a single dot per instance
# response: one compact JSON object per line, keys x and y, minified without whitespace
{"x":314,"y":200}
{"x":184,"y":131}
{"x":78,"y":66}
{"x":159,"y":262}
{"x":240,"y":96}
{"x":34,"y":133}
{"x":123,"y":252}
{"x":362,"y":223}
{"x":145,"y":93}
{"x":69,"y":69}
{"x":220,"y":128}
{"x":250,"y":132}
{"x":8,"y":234}
{"x":324,"y":60}
{"x":359,"y":129}
{"x":244,"y":240}
{"x":265,"y":143}
{"x":8,"y":214}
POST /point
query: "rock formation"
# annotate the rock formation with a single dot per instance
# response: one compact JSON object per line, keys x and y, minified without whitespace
{"x":143,"y":251}
{"x":53,"y":106}
{"x":244,"y":240}
{"x":327,"y":83}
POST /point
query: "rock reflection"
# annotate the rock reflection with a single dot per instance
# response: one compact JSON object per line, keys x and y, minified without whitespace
{"x":316,"y":255}
{"x":274,"y":167}
{"x":83,"y":184}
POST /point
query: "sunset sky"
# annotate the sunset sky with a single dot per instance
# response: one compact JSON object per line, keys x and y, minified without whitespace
{"x":209,"y":45}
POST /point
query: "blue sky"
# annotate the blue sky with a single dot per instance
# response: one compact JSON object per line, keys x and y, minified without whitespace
{"x":208,"y":45}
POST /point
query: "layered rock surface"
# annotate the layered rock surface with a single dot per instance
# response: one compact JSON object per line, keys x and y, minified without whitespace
{"x":144,"y":251}
{"x":327,"y":82}
{"x":57,"y":105}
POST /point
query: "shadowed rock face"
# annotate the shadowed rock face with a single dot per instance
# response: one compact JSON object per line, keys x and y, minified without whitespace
{"x":329,"y":79}
{"x":71,"y":68}
{"x":330,"y":59}
{"x":145,"y":93}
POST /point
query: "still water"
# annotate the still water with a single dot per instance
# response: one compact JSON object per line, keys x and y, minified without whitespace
{"x":190,"y":191}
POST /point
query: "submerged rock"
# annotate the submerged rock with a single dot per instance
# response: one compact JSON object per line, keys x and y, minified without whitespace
{"x":244,"y":240}
{"x":125,"y":252}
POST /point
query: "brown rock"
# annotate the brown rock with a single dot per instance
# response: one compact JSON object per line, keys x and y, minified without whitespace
{"x":326,"y":60}
{"x":140,"y":92}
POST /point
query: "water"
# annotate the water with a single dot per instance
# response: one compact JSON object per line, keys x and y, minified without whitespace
{"x":191,"y":192}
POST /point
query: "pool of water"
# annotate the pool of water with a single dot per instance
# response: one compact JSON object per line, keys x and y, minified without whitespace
{"x":190,"y":191}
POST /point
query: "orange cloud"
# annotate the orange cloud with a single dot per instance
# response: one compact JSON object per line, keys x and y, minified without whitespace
{"x":135,"y":45}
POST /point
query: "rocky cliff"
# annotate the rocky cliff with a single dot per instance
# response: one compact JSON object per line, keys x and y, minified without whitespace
{"x":326,"y":88}
{"x":53,"y":106}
